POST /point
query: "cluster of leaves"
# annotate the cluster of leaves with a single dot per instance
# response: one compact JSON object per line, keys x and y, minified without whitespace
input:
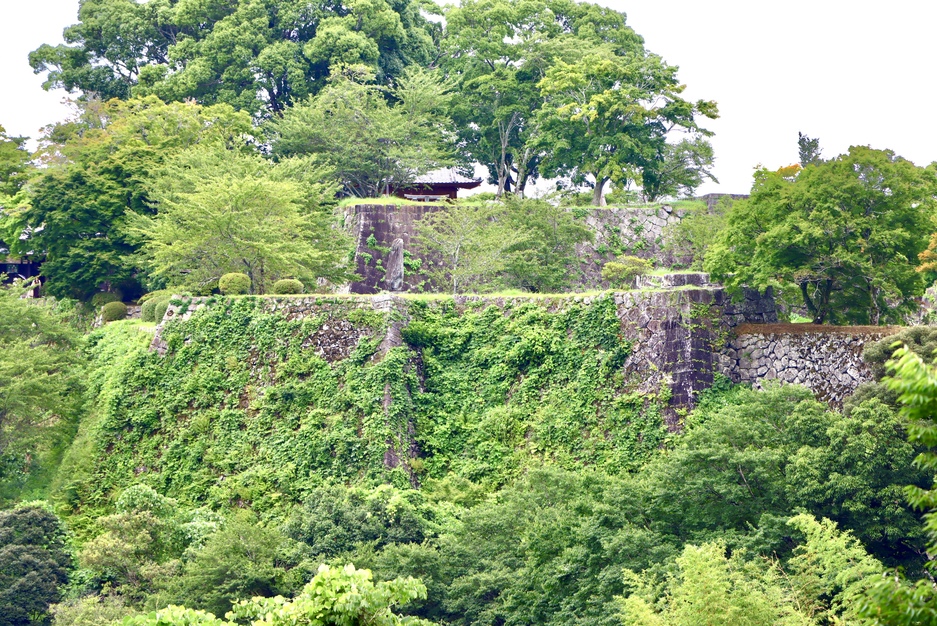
{"x":846,"y":233}
{"x":496,"y":460}
{"x":40,"y":390}
{"x":481,"y":395}
{"x":525,"y":244}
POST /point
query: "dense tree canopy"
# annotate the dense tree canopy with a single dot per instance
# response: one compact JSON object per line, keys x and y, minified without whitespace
{"x":372,"y":146}
{"x":221,"y":212}
{"x":255,"y":55}
{"x":845,"y":232}
{"x":100,"y":163}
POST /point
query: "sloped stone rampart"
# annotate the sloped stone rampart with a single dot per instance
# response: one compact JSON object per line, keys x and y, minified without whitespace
{"x":638,"y":231}
{"x":825,"y":359}
{"x":676,"y":332}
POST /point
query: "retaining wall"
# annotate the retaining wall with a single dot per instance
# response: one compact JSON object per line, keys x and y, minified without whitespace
{"x":825,"y":359}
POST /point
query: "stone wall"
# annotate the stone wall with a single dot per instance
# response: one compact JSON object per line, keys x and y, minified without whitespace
{"x":375,"y":228}
{"x":683,"y":331}
{"x":676,"y":328}
{"x":826,"y":359}
{"x":637,"y":231}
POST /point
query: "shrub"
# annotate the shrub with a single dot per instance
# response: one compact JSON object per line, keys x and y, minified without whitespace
{"x":160,"y":310}
{"x":234,"y":284}
{"x":620,"y":272}
{"x":148,"y":311}
{"x":101,"y":298}
{"x":287,"y":286}
{"x":113,"y":311}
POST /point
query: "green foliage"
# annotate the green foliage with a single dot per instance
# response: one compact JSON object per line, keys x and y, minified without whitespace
{"x":90,"y":611}
{"x":693,"y":236}
{"x":544,"y":258}
{"x":159,"y":310}
{"x":606,"y":115}
{"x":621,"y":272}
{"x":243,"y":559}
{"x":464,"y":246}
{"x":822,"y":584}
{"x":33,"y":563}
{"x":526,"y":244}
{"x":288,"y":286}
{"x":101,"y":298}
{"x":845,"y":232}
{"x":346,"y":596}
{"x":678,"y":170}
{"x":756,"y":456}
{"x":275,"y":420}
{"x":334,"y":520}
{"x":234,"y":284}
{"x":40,"y":388}
{"x":148,"y":310}
{"x":709,"y":588}
{"x":113,"y":311}
{"x":110,"y":152}
{"x":221,"y":212}
{"x":371,"y":145}
{"x":14,"y":163}
{"x":259,"y":57}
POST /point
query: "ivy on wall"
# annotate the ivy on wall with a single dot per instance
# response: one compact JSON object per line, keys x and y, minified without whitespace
{"x":242,"y":411}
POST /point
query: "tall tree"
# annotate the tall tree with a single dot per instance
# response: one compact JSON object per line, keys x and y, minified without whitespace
{"x":808,"y":150}
{"x":607,"y":116}
{"x":256,"y":55}
{"x":678,"y":170}
{"x":844,"y":232}
{"x":99,"y":165}
{"x":220,"y":212}
{"x":498,"y":51}
{"x":372,"y":146}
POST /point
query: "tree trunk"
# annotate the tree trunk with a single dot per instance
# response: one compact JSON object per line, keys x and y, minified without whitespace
{"x":598,"y":198}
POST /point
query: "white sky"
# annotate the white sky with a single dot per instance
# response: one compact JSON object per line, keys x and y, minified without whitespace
{"x":850,"y":73}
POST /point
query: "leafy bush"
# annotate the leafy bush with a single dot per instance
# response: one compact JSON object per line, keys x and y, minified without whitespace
{"x":148,"y":311}
{"x":288,"y":286}
{"x":160,"y":310}
{"x":33,"y":563}
{"x":113,"y":311}
{"x":624,"y":269}
{"x":234,"y":284}
{"x":101,"y":298}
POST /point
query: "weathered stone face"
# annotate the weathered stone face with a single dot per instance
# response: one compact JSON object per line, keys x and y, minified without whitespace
{"x":681,"y":336}
{"x":825,"y":359}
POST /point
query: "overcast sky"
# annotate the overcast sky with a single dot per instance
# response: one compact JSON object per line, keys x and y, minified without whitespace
{"x":850,"y":73}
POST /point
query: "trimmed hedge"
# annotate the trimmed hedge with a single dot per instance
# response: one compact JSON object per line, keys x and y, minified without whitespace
{"x":160,"y":310}
{"x":113,"y":311}
{"x":101,"y":298}
{"x":287,"y":286}
{"x":234,"y":284}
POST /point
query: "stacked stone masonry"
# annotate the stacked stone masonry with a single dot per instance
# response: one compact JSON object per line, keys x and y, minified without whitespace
{"x":683,"y":330}
{"x":377,"y":228}
{"x":825,"y":359}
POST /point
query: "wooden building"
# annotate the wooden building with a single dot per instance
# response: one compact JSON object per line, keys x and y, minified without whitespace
{"x":437,"y":185}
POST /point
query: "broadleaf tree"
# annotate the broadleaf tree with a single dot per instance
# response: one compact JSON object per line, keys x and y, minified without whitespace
{"x":846,"y":233}
{"x":220,"y":212}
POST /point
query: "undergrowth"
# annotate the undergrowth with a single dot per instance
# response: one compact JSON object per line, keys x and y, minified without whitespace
{"x":243,"y":410}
